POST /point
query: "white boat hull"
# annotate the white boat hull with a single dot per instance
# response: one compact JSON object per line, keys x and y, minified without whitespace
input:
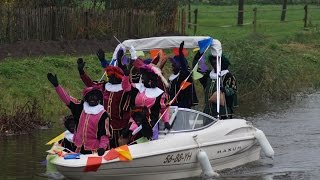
{"x":227,"y":144}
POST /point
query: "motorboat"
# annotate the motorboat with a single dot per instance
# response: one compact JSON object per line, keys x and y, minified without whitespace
{"x":226,"y":144}
{"x":198,"y":144}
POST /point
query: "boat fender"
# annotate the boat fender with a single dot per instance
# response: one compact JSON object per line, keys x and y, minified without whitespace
{"x":207,"y":170}
{"x":264,"y":143}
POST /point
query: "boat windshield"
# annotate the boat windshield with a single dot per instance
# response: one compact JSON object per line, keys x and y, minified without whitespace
{"x":183,"y":119}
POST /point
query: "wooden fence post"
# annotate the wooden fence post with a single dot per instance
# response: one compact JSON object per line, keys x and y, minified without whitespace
{"x":87,"y":24}
{"x":255,"y":19}
{"x":284,"y":10}
{"x":195,"y":21}
{"x":183,"y":22}
{"x":240,"y":12}
{"x":189,"y":14}
{"x":305,"y":19}
{"x":53,"y":25}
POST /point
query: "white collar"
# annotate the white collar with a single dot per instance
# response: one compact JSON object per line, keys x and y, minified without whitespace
{"x":149,"y":92}
{"x":213,"y":75}
{"x":113,"y":87}
{"x":92,"y":109}
{"x":173,"y":76}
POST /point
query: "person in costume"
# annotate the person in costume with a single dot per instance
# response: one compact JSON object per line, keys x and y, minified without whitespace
{"x":116,"y":100}
{"x":228,"y":87}
{"x":92,"y":121}
{"x":147,"y":95}
{"x":187,"y":97}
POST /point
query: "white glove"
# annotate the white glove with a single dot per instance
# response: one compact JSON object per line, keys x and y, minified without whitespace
{"x":133,"y":53}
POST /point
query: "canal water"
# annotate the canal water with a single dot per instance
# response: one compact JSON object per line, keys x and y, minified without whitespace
{"x":292,"y":128}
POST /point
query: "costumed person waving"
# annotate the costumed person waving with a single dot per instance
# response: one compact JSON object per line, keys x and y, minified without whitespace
{"x":228,"y":88}
{"x":92,"y":121}
{"x":147,"y":98}
{"x":116,"y":100}
{"x":187,"y":97}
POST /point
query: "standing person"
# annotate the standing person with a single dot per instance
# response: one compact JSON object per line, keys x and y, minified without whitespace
{"x":116,"y":99}
{"x":228,"y":88}
{"x":187,"y":97}
{"x":92,"y":121}
{"x":147,"y":95}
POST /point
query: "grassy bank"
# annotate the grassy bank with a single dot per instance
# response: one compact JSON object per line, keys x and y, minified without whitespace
{"x":269,"y":65}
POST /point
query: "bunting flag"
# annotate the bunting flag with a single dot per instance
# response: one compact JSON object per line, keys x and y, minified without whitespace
{"x":93,"y":164}
{"x":124,"y":153}
{"x":176,"y":52}
{"x":204,"y":44}
{"x":203,"y":66}
{"x":56,"y":139}
{"x":195,"y":49}
{"x":155,"y":52}
{"x":142,"y":140}
{"x":184,"y":84}
{"x":124,"y":60}
{"x":111,"y":155}
{"x":140,"y":53}
{"x":195,"y":74}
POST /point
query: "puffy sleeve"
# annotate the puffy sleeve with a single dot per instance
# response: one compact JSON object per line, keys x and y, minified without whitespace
{"x":86,"y":80}
{"x":164,"y":112}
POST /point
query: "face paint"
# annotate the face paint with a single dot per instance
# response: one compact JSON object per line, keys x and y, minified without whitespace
{"x":93,"y":98}
{"x":114,"y":80}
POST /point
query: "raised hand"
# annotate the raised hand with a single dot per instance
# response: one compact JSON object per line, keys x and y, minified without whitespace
{"x":53,"y":79}
{"x":81,"y":65}
{"x":101,"y":55}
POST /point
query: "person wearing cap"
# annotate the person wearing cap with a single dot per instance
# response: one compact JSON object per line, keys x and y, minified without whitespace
{"x":228,"y":88}
{"x":148,"y":95}
{"x":116,"y":99}
{"x":187,"y":97}
{"x":92,"y":121}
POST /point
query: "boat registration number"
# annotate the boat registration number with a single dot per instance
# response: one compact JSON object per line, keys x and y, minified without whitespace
{"x":178,"y":157}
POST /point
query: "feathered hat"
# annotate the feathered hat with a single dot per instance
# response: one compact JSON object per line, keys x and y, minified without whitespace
{"x":150,"y":68}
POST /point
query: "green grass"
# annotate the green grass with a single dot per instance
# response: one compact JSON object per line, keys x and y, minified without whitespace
{"x":274,"y":63}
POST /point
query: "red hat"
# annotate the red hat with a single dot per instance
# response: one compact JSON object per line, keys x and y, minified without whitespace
{"x":114,"y":70}
{"x":87,"y":90}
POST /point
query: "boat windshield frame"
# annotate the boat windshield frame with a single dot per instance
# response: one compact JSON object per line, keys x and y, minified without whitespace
{"x":193,"y":128}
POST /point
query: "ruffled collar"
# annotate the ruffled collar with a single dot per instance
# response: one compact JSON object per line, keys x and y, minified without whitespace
{"x":213,"y":75}
{"x":113,"y":87}
{"x":173,"y":76}
{"x":92,"y":109}
{"x":149,"y":92}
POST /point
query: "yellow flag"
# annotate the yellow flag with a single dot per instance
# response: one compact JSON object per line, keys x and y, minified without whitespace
{"x":56,"y":139}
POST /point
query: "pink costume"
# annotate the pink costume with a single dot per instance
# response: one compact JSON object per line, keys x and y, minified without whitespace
{"x":152,"y":98}
{"x":92,"y":130}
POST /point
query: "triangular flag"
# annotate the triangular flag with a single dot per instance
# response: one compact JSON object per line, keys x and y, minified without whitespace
{"x":124,"y":153}
{"x":196,"y":49}
{"x":111,"y":155}
{"x":195,"y":74}
{"x":142,"y":140}
{"x":93,"y":164}
{"x":204,"y":44}
{"x":155,"y":52}
{"x":56,"y":139}
{"x":140,"y":53}
{"x":124,"y":60}
{"x":176,"y":52}
{"x":203,"y":66}
{"x":184,"y":85}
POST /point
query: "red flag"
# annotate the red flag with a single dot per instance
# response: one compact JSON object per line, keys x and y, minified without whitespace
{"x":155,"y":52}
{"x":184,"y":85}
{"x":176,"y":52}
{"x":93,"y":164}
{"x":112,"y":154}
